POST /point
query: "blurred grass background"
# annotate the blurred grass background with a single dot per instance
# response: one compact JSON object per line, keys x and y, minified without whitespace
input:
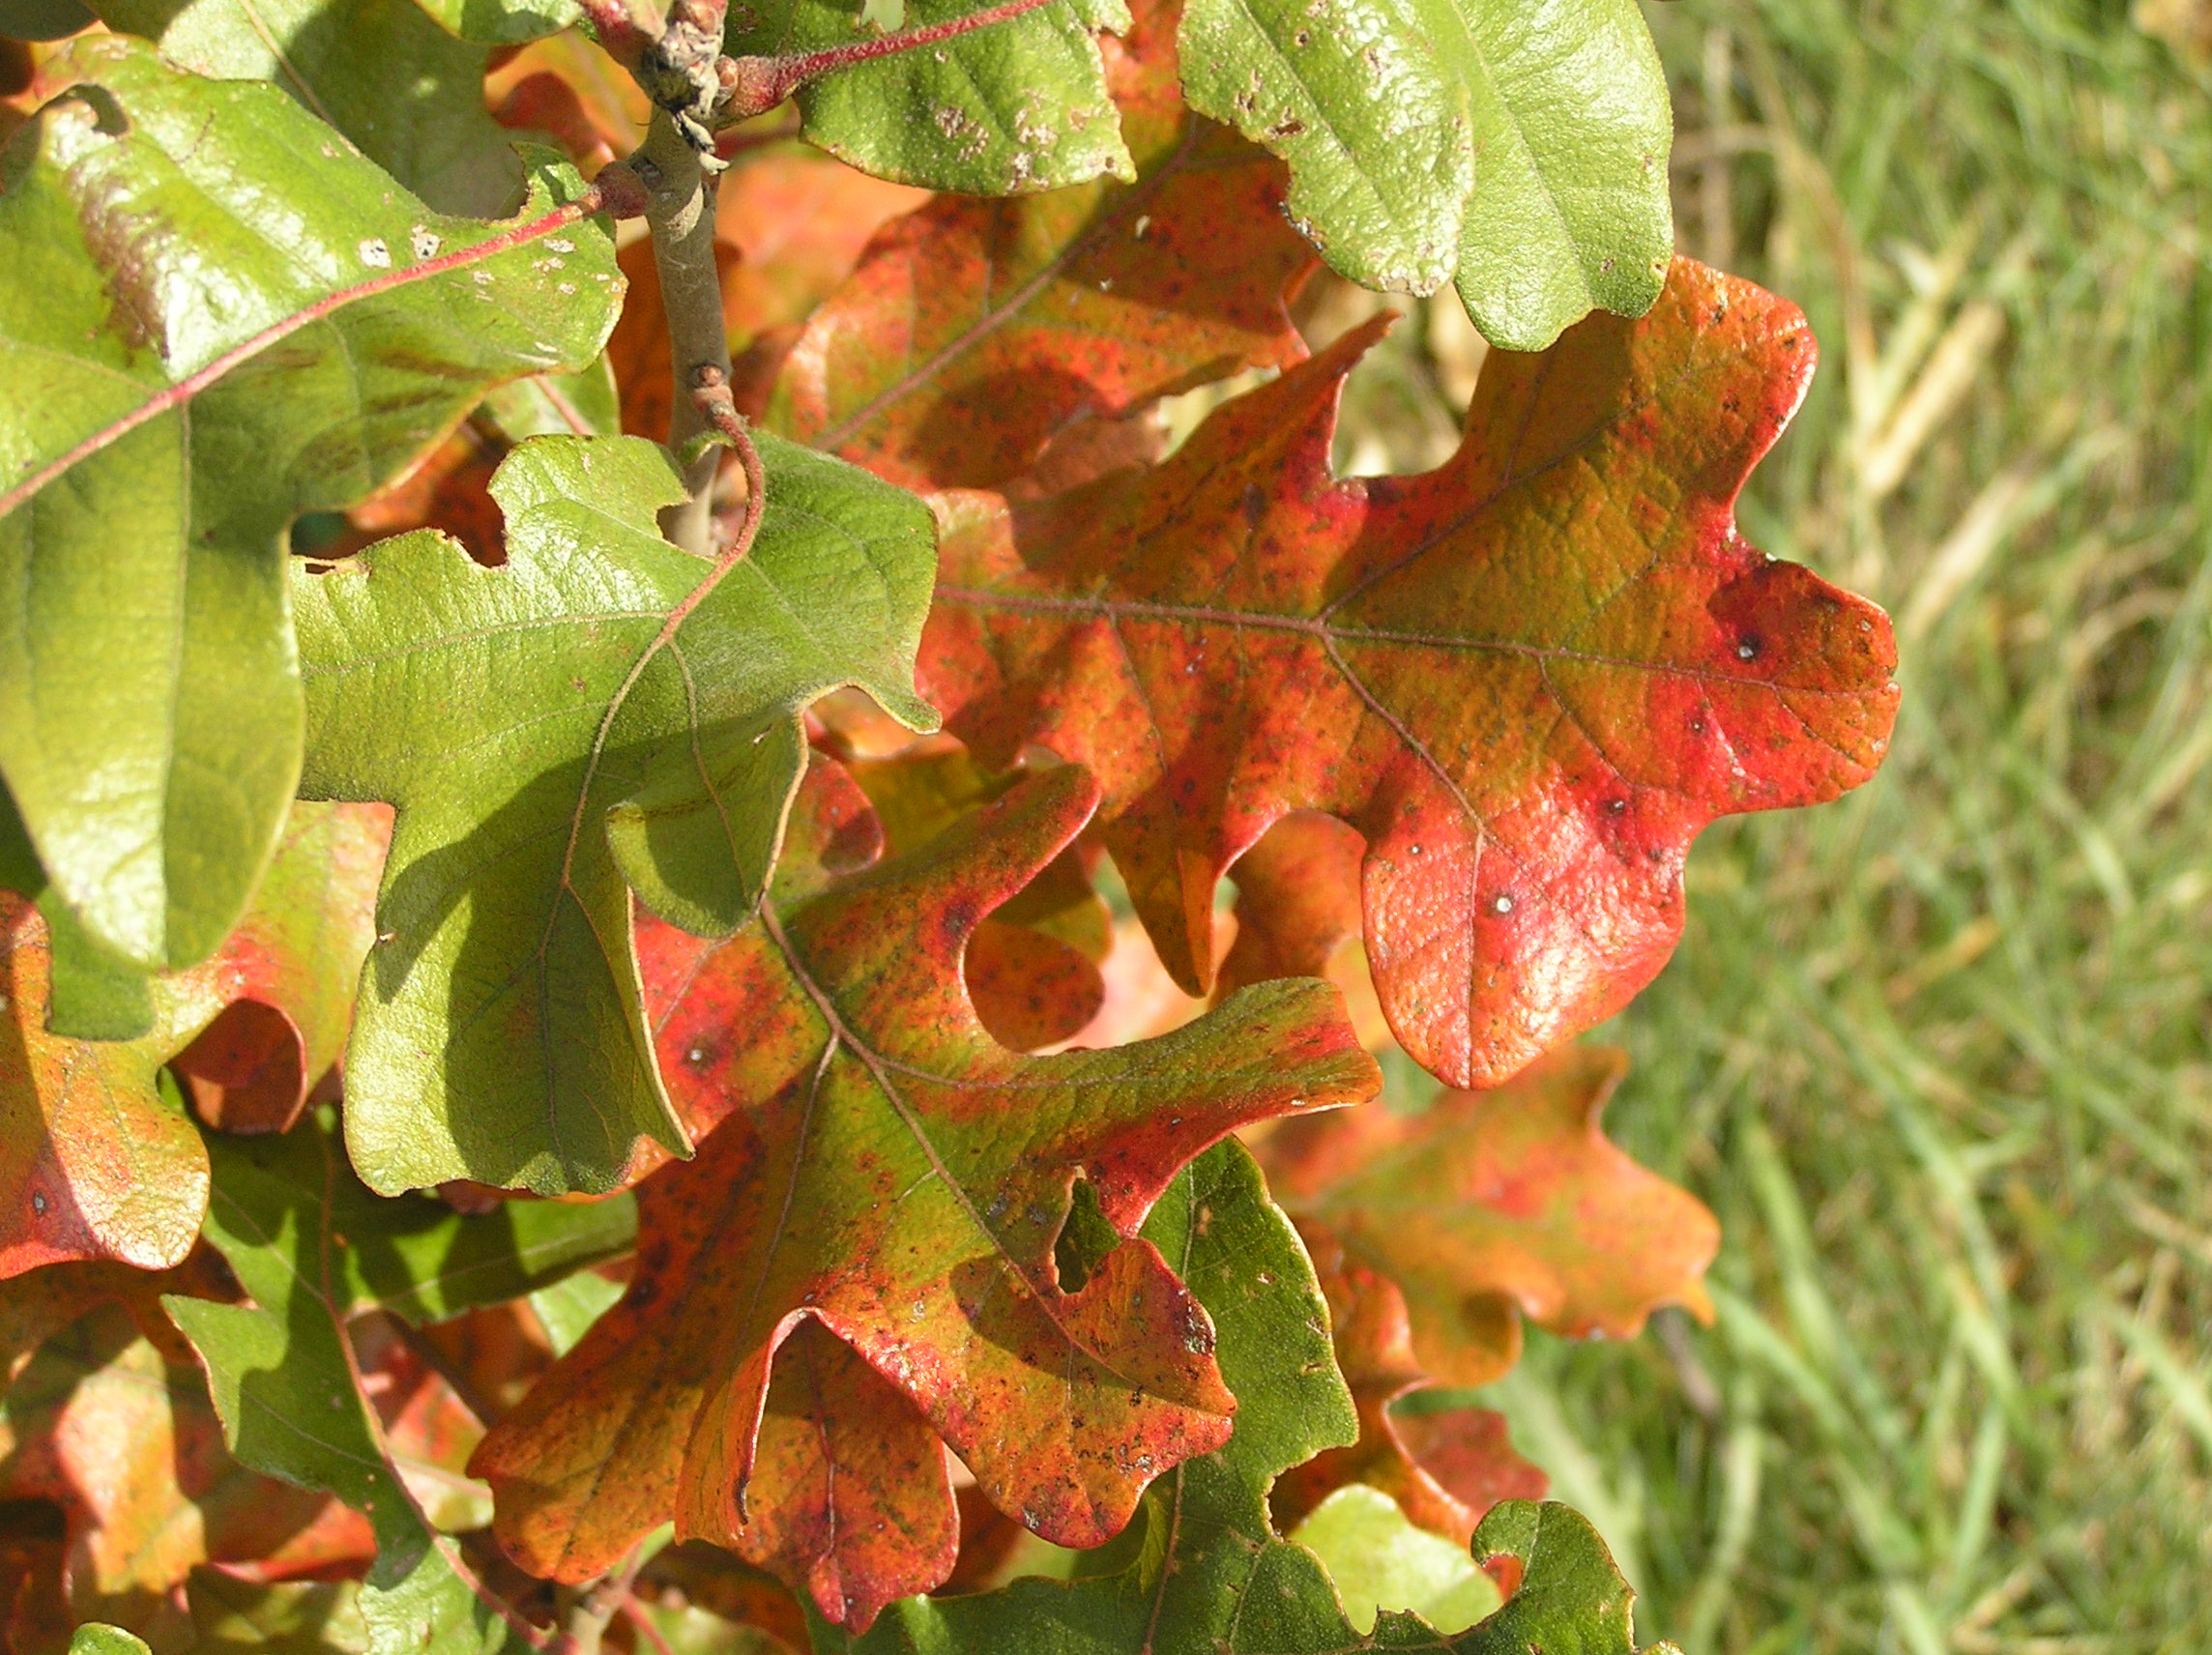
{"x":1937,"y":1055}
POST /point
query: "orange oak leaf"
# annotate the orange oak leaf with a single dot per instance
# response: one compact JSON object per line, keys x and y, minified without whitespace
{"x":125,"y":1446}
{"x":885,"y":1169}
{"x":976,"y":332}
{"x":1527,"y":677}
{"x":93,"y":1164}
{"x":1298,"y":916}
{"x":1446,"y":1467}
{"x":1496,"y":1204}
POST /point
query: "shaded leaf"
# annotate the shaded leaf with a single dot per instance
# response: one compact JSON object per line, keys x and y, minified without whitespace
{"x":602,"y":699}
{"x":99,"y":1165}
{"x":125,"y":1445}
{"x":1011,"y":108}
{"x":168,"y":224}
{"x":281,"y":1371}
{"x":231,"y":1616}
{"x":1202,"y":1573}
{"x":404,"y":92}
{"x":1527,"y":677}
{"x":975,"y":331}
{"x":1517,"y":151}
{"x":289,"y":971}
{"x":1445,"y":1466}
{"x":1495,"y":1205}
{"x":884,"y":1168}
{"x":502,"y":22}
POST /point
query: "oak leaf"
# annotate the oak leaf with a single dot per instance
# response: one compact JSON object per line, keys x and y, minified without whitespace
{"x":1445,"y":1466}
{"x":1202,"y":1572}
{"x":1031,"y":967}
{"x":602,"y":711}
{"x":314,"y":1249}
{"x":1497,"y":1205}
{"x":1520,"y":155}
{"x":1527,"y":677}
{"x":97,"y":1165}
{"x":976,"y":332}
{"x":885,"y":1170}
{"x":120,"y":1438}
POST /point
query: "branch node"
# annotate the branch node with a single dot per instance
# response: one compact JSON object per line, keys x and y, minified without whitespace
{"x":621,"y":189}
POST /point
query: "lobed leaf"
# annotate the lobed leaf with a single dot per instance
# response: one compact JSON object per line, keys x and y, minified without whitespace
{"x":1205,"y":1573}
{"x":601,"y":711}
{"x":281,"y":1369}
{"x":1516,"y":151}
{"x":98,"y":1165}
{"x":883,"y":1169}
{"x":116,"y":1432}
{"x":402,"y":91}
{"x":1495,"y":1205}
{"x":1445,"y":1466}
{"x":973,"y":333}
{"x":1008,"y":109}
{"x":214,"y":318}
{"x":1527,"y":677}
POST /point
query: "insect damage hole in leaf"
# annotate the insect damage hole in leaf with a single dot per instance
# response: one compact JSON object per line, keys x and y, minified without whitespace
{"x":872,"y":1161}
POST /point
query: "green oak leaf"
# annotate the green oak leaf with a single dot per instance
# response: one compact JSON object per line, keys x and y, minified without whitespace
{"x":157,"y":224}
{"x":502,"y":22}
{"x":407,"y":94}
{"x":583,"y":404}
{"x":1516,"y":150}
{"x":605,"y":710}
{"x":1201,"y":1570}
{"x":312,"y":1248}
{"x":1005,"y":109}
{"x":94,"y":1637}
{"x":231,"y":1616}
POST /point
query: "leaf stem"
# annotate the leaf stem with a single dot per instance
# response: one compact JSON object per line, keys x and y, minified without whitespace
{"x":679,"y":211}
{"x":588,"y":1610}
{"x":711,"y":394}
{"x":755,"y":85}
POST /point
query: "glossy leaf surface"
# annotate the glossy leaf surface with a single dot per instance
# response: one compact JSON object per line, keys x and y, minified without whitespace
{"x":884,"y":1169}
{"x":1011,"y":108}
{"x":1496,"y":1204}
{"x":975,"y":331}
{"x":603,"y":705}
{"x":163,"y":221}
{"x":402,"y":90}
{"x":97,"y":1163}
{"x":1205,"y":1574}
{"x":502,"y":22}
{"x":1516,"y":151}
{"x":1527,"y":677}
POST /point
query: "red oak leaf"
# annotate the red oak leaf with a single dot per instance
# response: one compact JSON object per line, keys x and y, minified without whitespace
{"x":1496,"y":1204}
{"x":884,"y":1168}
{"x":92,"y":1165}
{"x":1443,"y":1467}
{"x":975,"y":332}
{"x":1527,"y":677}
{"x":1031,"y":968}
